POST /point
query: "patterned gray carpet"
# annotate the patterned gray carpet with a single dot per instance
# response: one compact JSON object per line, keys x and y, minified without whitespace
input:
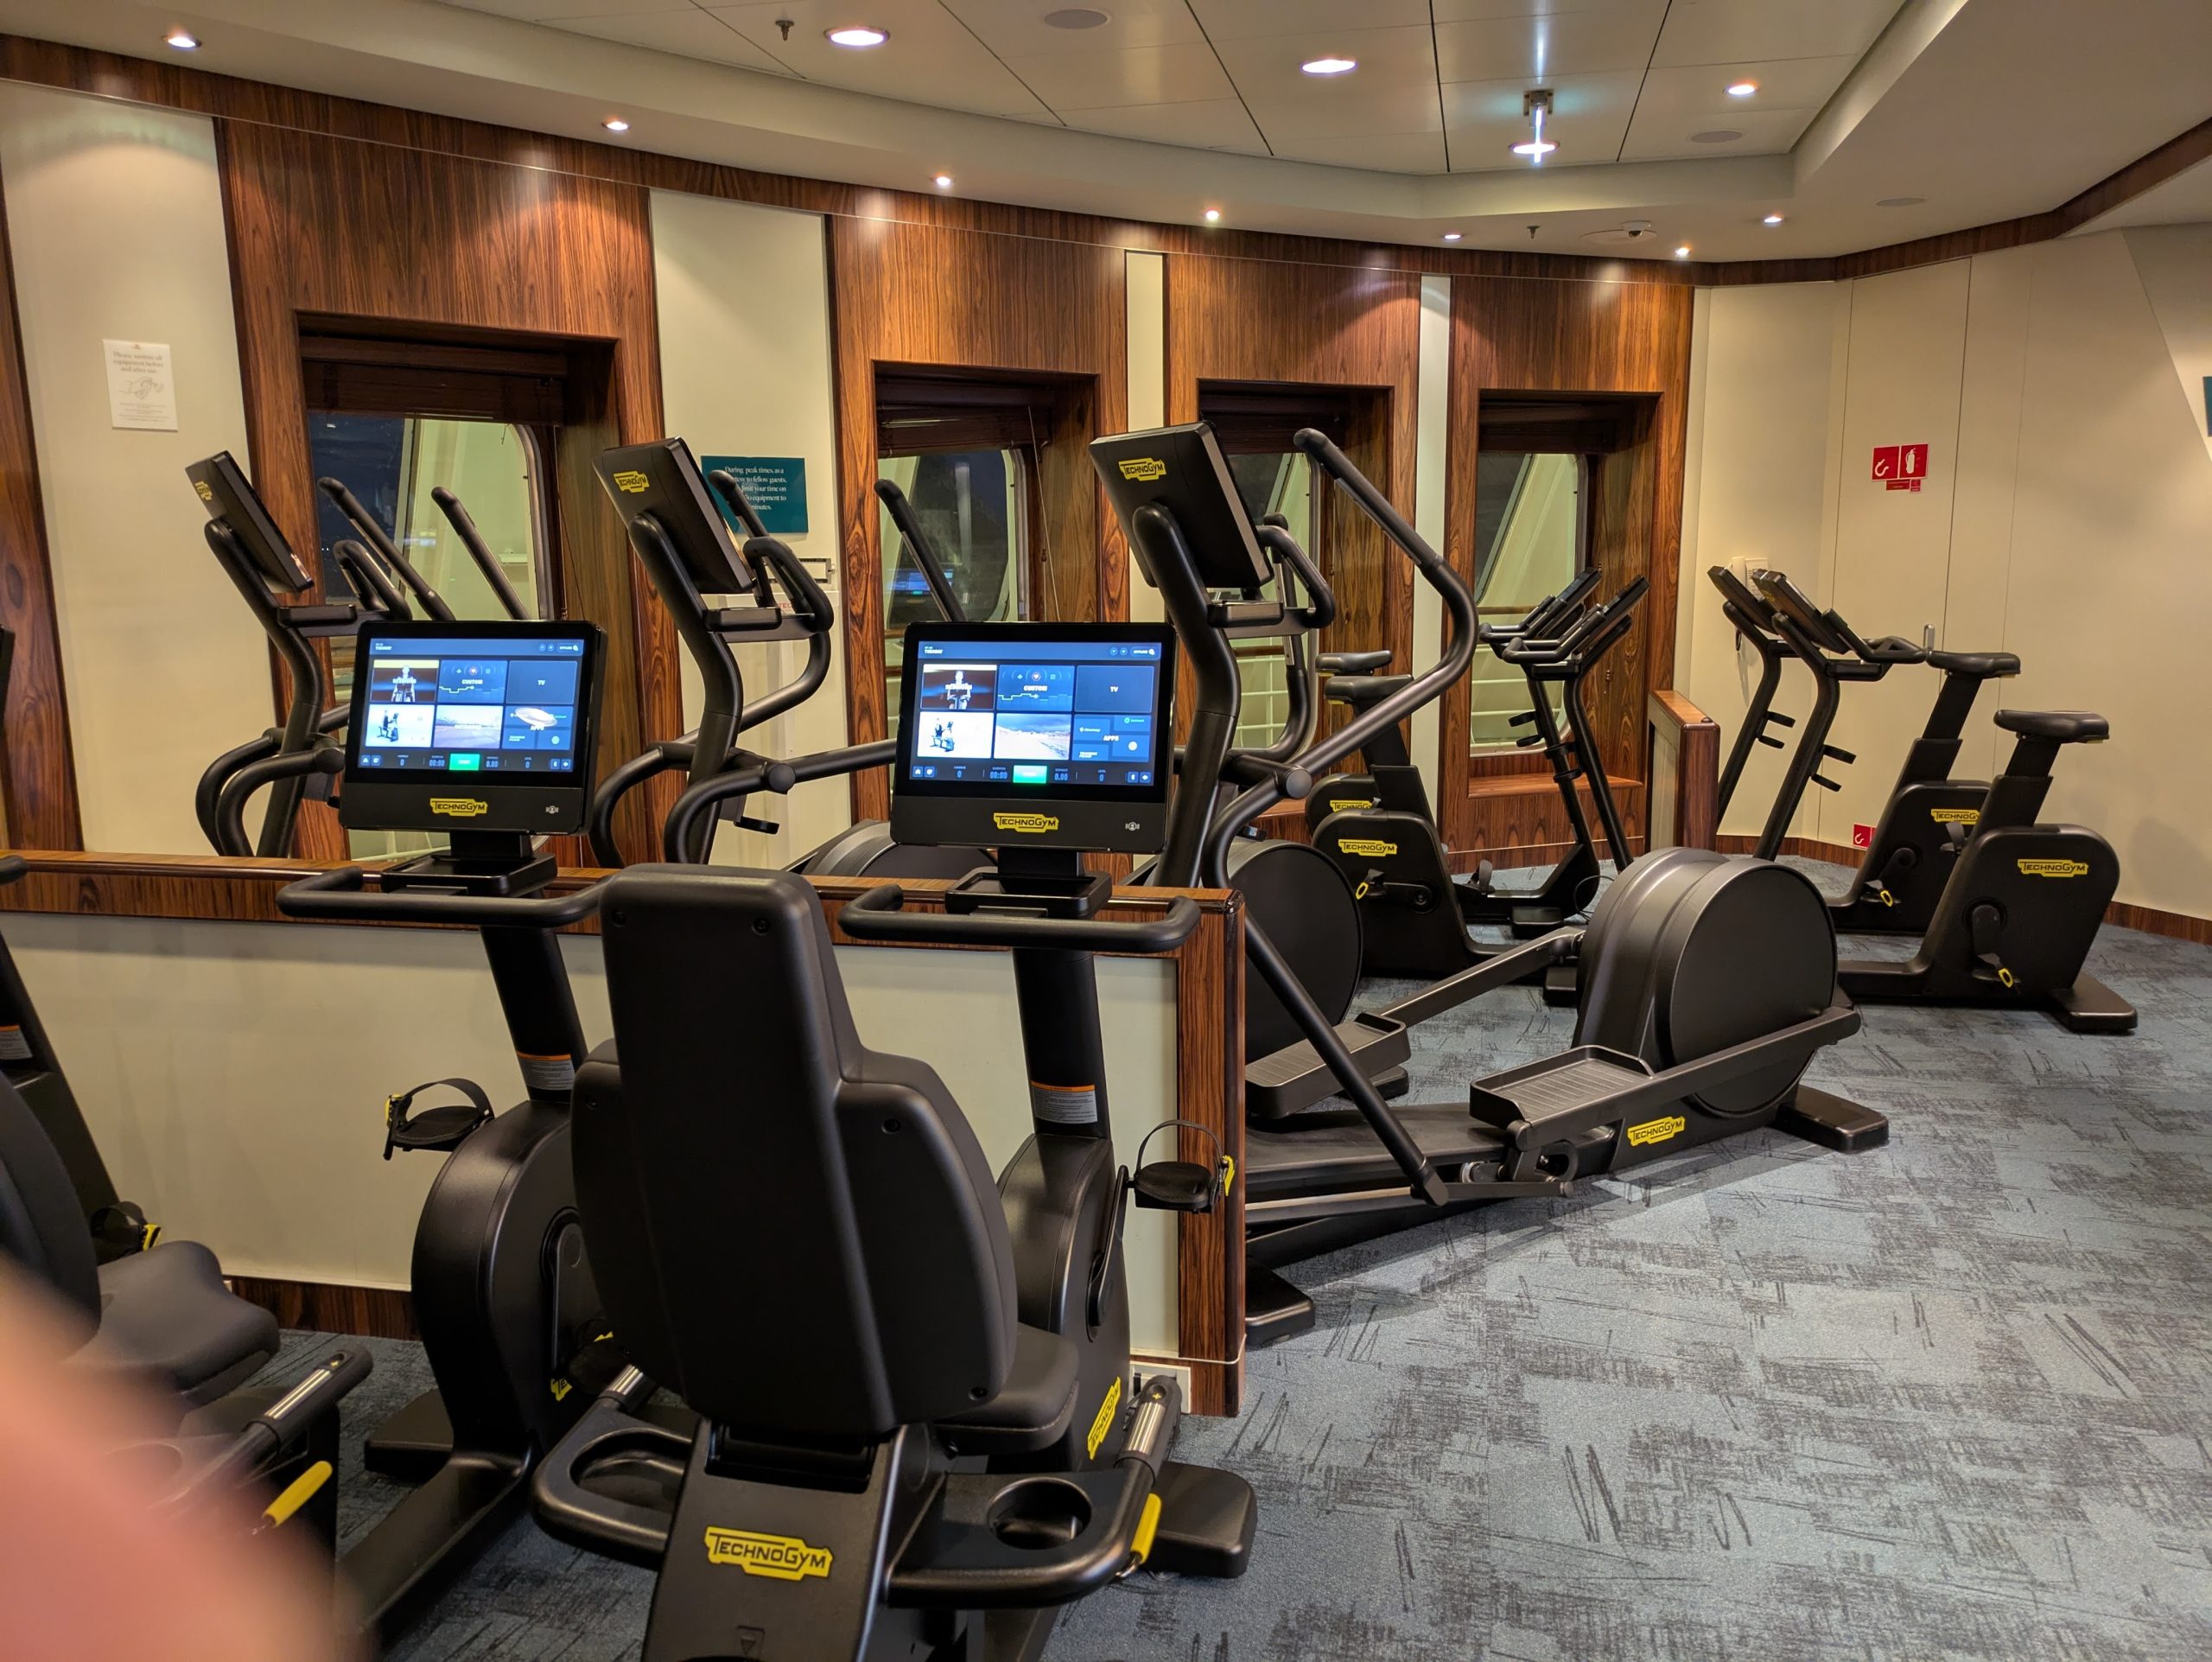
{"x":1947,"y":1399}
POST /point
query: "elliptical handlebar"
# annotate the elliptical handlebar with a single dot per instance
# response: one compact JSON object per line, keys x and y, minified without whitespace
{"x":879,"y":914}
{"x":917,"y":544}
{"x":777,"y":776}
{"x":380,"y":541}
{"x":341,"y":895}
{"x":726,"y":486}
{"x":487,"y":562}
{"x":1320,"y":609}
{"x":229,"y":821}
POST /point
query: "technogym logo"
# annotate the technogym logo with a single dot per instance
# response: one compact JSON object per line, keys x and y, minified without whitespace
{"x":1656,"y":1130}
{"x":1341,"y":804}
{"x":1102,"y":1421}
{"x":1365,"y":847}
{"x":459,"y":807}
{"x":632,"y":482}
{"x":2053,"y":868}
{"x":779,"y":1558}
{"x":207,"y":495}
{"x":1028,"y":824}
{"x":1144,"y":470}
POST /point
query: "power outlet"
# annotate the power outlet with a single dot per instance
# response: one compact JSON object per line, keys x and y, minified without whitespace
{"x":1150,"y":1367}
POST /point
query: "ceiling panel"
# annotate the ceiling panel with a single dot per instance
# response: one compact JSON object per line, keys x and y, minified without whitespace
{"x":1206,"y":124}
{"x":1458,"y":12}
{"x":1734,"y":31}
{"x":1535,"y":48}
{"x":930,"y":59}
{"x":1016,"y":28}
{"x":1393,"y":91}
{"x":1765,"y":132}
{"x":548,"y":10}
{"x":1377,"y":152}
{"x":1108,"y":79}
{"x":687,"y":34}
{"x":1589,"y":120}
{"x":1245,"y":20}
{"x":1787,"y":84}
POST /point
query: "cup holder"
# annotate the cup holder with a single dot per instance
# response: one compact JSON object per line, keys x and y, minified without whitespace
{"x":156,"y":1465}
{"x":1037,"y":1513}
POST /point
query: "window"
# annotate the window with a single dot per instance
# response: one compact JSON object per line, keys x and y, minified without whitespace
{"x":1529,"y":541}
{"x":972,"y":506}
{"x":1270,"y":482}
{"x":391,"y":464}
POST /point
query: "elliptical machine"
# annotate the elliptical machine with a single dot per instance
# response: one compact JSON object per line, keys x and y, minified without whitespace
{"x":1929,"y":816}
{"x":1708,"y":984}
{"x":951,"y":1444}
{"x":509,"y":1315}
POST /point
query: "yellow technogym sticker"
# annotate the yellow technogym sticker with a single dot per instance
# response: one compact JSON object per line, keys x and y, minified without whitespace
{"x":459,"y":807}
{"x":1338,"y":803}
{"x":1656,"y":1130}
{"x":632,"y":483}
{"x":1028,"y":824}
{"x":1365,"y":847}
{"x":1144,"y":468}
{"x":1955,"y":816}
{"x":779,"y":1558}
{"x":206,"y":493}
{"x":2053,"y":868}
{"x":1102,"y":1421}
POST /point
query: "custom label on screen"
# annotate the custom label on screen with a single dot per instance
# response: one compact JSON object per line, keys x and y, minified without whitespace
{"x":779,"y":1558}
{"x":1365,"y":847}
{"x":2053,"y":868}
{"x":1656,"y":1130}
{"x":1102,"y":1421}
{"x":1144,"y":470}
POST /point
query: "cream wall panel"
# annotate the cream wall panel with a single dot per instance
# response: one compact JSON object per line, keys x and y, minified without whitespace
{"x":115,"y":215}
{"x":234,"y":1074}
{"x":1145,"y":301}
{"x":2175,"y":263}
{"x":743,"y":294}
{"x":2109,"y":534}
{"x":1765,"y":467}
{"x":1432,"y":433}
{"x":1890,"y":570}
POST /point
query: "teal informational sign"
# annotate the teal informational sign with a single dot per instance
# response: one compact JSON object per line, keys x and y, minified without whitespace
{"x":775,"y":484}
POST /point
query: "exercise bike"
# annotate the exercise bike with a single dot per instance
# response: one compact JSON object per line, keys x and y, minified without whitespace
{"x":509,"y":1317}
{"x":1927,"y":818}
{"x":950,"y":1426}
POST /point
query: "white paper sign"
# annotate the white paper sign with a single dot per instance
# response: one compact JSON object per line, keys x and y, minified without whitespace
{"x":141,"y":385}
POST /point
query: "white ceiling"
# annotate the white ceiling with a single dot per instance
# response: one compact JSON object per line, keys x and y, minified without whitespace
{"x":1439,"y":87}
{"x":1986,"y":109}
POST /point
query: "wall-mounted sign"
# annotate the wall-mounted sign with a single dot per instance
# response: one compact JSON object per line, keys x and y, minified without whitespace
{"x":775,"y":484}
{"x":1900,"y":467}
{"x":141,"y":385}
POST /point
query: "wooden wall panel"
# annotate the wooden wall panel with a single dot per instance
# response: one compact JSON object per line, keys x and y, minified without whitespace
{"x":1253,"y":320}
{"x":925,"y":295}
{"x":1572,"y":336}
{"x":38,"y":773}
{"x":338,"y":229}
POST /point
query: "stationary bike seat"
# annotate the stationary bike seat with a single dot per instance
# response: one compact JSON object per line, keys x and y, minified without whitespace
{"x":1979,"y":666}
{"x":1353,"y":663}
{"x":2063,"y":726}
{"x":1363,"y":692}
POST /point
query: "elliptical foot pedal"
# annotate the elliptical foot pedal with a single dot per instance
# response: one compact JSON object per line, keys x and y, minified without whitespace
{"x":1295,"y":1077}
{"x":413,"y":1443}
{"x":1207,"y":1518}
{"x":2089,"y":1006}
{"x":1273,"y":1310}
{"x":1833,"y":1122}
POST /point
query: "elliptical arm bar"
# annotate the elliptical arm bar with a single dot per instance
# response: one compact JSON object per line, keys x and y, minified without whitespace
{"x":207,"y":795}
{"x":916,"y":544}
{"x":678,"y":833}
{"x":620,"y":781}
{"x":1320,"y":609}
{"x":230,"y":805}
{"x":812,"y":606}
{"x":726,"y":486}
{"x":367,"y":579}
{"x":481,"y":551}
{"x":373,"y":534}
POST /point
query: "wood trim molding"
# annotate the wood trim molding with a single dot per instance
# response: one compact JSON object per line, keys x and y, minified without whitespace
{"x":1685,"y":809}
{"x":38,"y":771}
{"x":2175,"y":925}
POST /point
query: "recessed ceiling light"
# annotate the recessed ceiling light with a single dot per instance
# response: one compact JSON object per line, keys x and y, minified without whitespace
{"x":1534,"y":147}
{"x":857,"y":35}
{"x":1742,"y":89}
{"x":1716,"y":136}
{"x":1214,"y":216}
{"x":184,"y":40}
{"x":1772,"y":219}
{"x":1901,"y":201}
{"x":1074,"y":17}
{"x":1452,"y":236}
{"x":615,"y":124}
{"x":944,"y":182}
{"x":1330,"y":66}
{"x":1683,"y":252}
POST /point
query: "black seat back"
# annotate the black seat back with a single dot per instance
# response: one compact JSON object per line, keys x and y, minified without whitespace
{"x":42,"y":1228}
{"x":800,"y":1235}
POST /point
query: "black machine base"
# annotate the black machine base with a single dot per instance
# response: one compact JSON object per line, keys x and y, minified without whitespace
{"x":1833,"y":1122}
{"x":413,"y":1443}
{"x":2088,"y":1006}
{"x":1207,"y":1519}
{"x":1273,"y":1310}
